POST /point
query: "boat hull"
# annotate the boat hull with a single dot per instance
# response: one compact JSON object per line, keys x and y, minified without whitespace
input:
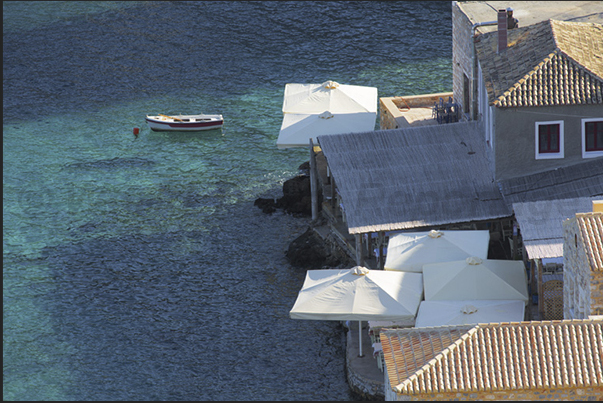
{"x":192,"y":123}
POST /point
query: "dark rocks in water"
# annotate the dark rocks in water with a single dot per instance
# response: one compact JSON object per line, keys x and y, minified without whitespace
{"x":310,"y":251}
{"x":297,"y":198}
{"x":297,"y":195}
{"x":304,"y":169}
{"x":268,"y":206}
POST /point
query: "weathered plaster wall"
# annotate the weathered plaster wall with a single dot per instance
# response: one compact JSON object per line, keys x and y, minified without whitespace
{"x":515,"y":143}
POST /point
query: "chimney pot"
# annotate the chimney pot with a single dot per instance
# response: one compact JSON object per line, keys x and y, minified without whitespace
{"x":502,"y":30}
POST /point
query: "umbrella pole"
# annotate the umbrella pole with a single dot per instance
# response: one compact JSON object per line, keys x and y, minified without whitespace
{"x":360,"y":339}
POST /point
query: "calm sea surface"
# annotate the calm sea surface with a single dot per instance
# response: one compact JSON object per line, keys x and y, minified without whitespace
{"x":138,"y":268}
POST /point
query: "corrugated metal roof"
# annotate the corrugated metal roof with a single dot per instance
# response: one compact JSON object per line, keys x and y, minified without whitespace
{"x":584,"y":179}
{"x":495,"y":357}
{"x":413,"y":177}
{"x":541,"y":224}
{"x":590,"y":226}
{"x":547,"y":63}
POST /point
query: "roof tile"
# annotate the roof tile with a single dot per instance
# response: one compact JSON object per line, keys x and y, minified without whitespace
{"x":590,"y":226}
{"x":548,"y":63}
{"x":495,"y":357}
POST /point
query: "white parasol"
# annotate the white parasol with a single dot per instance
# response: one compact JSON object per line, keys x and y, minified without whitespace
{"x":474,"y":279}
{"x":311,"y":110}
{"x":466,"y":312}
{"x":409,"y":251}
{"x":358,"y":294}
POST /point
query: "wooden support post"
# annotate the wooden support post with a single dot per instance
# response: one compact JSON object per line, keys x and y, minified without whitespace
{"x":540,"y":299}
{"x":514,"y":251}
{"x":358,"y":249}
{"x":380,"y":241}
{"x":532,"y":272}
{"x":313,"y":179}
{"x":333,"y":196}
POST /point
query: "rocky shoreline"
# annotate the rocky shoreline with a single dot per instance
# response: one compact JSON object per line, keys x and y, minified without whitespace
{"x":317,"y":248}
{"x":310,"y":250}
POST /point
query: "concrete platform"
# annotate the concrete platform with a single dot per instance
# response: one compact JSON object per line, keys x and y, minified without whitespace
{"x":363,"y":374}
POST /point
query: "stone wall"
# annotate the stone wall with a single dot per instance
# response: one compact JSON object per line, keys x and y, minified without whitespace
{"x":582,"y":287}
{"x":390,"y":115}
{"x":388,"y":111}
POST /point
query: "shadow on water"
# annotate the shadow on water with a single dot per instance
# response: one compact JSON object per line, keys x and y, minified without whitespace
{"x":186,"y":136}
{"x":153,"y":311}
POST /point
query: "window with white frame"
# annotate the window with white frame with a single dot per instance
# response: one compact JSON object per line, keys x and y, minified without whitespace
{"x":592,"y":138}
{"x":549,"y":139}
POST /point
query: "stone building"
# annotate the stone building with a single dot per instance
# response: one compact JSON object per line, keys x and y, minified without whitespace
{"x":583,"y":266}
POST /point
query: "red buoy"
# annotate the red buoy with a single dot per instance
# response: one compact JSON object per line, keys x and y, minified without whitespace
{"x":136,"y":131}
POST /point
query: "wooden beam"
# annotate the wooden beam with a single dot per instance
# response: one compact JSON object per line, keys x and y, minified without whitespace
{"x":313,"y":180}
{"x":358,"y":249}
{"x":380,"y":241}
{"x":540,"y":299}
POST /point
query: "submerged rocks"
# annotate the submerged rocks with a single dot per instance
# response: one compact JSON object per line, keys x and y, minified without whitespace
{"x":311,"y":251}
{"x":268,"y":206}
{"x":308,"y":250}
{"x":297,"y":196}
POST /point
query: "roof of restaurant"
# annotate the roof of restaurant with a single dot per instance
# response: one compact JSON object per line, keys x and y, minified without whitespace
{"x":541,"y":224}
{"x":547,"y":63}
{"x":413,"y":177}
{"x":494,"y":357}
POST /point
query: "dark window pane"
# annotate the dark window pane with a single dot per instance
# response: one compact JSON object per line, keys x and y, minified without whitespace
{"x":542,"y":143}
{"x":554,"y":140}
{"x":599,"y":137}
{"x":594,"y":136}
{"x":548,"y":138}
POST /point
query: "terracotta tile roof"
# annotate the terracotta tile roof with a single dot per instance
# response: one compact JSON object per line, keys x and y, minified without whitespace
{"x":590,"y":226}
{"x":548,"y":63}
{"x":495,"y":357}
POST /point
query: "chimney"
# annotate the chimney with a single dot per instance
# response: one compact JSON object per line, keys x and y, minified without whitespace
{"x":502,"y":30}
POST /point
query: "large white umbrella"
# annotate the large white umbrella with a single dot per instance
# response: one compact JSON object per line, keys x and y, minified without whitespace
{"x":329,"y":96}
{"x":358,"y":294}
{"x":475,"y":278}
{"x":298,"y":129}
{"x":311,"y":110}
{"x":466,"y":312}
{"x":409,"y":251}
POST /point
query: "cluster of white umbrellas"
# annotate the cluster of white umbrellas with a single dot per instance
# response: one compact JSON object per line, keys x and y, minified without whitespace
{"x":461,"y":286}
{"x":449,"y":269}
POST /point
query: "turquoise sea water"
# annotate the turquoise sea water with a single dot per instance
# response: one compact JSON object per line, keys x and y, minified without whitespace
{"x":138,"y":268}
